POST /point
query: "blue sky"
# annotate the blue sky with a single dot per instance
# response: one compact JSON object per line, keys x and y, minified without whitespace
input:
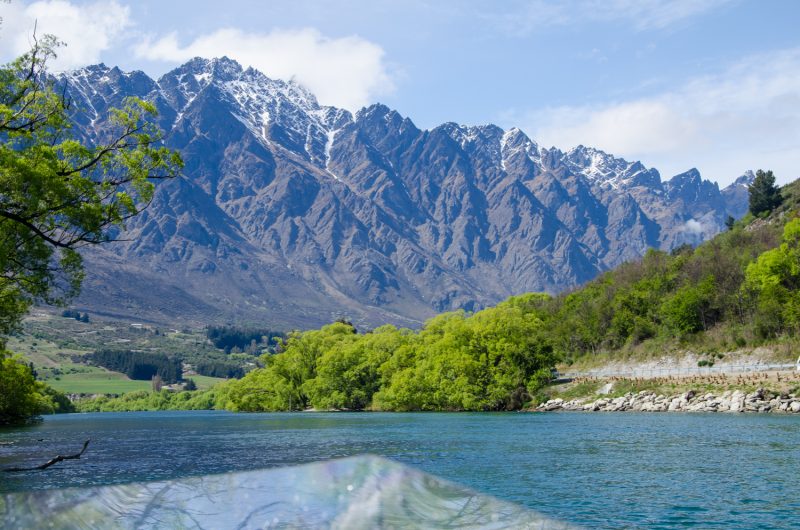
{"x":712,"y":84}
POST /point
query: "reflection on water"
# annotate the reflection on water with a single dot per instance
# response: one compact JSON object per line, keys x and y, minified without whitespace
{"x":351,"y":493}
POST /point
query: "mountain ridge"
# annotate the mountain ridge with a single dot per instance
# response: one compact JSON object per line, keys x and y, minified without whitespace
{"x":299,"y":213}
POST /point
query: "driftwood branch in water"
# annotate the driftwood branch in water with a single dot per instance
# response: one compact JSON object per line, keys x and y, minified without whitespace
{"x":50,"y":462}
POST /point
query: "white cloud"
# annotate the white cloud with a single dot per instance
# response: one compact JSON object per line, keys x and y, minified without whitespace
{"x":347,"y":72}
{"x":693,"y":226}
{"x":651,"y":14}
{"x":642,"y":15}
{"x":745,"y":117}
{"x":87,"y":30}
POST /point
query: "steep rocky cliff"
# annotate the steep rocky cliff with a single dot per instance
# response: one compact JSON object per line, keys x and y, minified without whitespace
{"x":297,"y":214}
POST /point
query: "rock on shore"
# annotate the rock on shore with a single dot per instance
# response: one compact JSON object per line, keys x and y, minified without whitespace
{"x":647,"y":401}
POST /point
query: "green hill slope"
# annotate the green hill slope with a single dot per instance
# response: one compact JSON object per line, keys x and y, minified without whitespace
{"x":738,"y":290}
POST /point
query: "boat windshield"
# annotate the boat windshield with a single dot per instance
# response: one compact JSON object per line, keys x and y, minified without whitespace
{"x":358,"y":492}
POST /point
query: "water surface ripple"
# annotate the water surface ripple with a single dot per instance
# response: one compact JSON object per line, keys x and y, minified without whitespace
{"x":608,"y":470}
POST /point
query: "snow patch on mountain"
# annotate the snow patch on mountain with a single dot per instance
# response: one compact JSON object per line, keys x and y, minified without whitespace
{"x":416,"y":222}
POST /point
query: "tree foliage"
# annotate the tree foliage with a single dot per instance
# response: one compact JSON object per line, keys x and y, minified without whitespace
{"x":765,"y":196}
{"x":230,"y":337}
{"x":689,"y":309}
{"x":279,"y":386}
{"x":773,"y":280}
{"x":58,"y":194}
{"x":215,"y":368}
{"x":21,"y":396}
{"x":491,"y":360}
{"x":139,"y":365}
{"x":214,"y":398}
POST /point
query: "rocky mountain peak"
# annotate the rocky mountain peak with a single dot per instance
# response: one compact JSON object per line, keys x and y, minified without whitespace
{"x":189,"y":79}
{"x":372,"y":112}
{"x":745,"y":180}
{"x":379,"y":116}
{"x":737,"y":194}
{"x":689,"y":186}
{"x":217,"y":69}
{"x":516,"y":146}
{"x":515,"y":137}
{"x":95,"y":78}
{"x":606,"y":170}
{"x":289,"y":92}
{"x":302,"y":213}
{"x":481,"y":141}
{"x":687,"y":178}
{"x":94,"y":71}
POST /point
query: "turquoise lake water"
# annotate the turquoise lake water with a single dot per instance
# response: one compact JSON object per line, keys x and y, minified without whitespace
{"x":609,"y":470}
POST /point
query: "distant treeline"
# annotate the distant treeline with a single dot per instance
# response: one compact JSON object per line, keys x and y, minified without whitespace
{"x":224,"y":369}
{"x":77,"y":315}
{"x":140,"y":365}
{"x":229,"y":337}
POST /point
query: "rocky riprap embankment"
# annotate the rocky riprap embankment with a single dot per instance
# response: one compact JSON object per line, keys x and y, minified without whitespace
{"x":648,"y":401}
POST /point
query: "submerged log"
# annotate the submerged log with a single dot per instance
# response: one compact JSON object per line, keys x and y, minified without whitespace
{"x":50,"y":462}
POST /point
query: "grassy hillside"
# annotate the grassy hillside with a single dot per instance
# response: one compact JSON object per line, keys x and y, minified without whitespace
{"x":58,"y":348}
{"x":736,"y":291}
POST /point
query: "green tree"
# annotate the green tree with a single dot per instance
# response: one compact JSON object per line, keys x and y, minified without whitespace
{"x":349,"y":374}
{"x":20,"y":395}
{"x":58,"y":194}
{"x":690,"y":308}
{"x":730,"y":222}
{"x":774,"y":280}
{"x":765,"y":196}
{"x":490,"y":360}
{"x":280,"y":384}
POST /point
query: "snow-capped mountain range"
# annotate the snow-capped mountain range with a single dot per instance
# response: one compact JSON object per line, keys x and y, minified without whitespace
{"x":295,"y":214}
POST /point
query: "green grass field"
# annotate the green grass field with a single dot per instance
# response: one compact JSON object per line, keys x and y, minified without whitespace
{"x":105,"y":382}
{"x":203,"y":381}
{"x":100,"y":382}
